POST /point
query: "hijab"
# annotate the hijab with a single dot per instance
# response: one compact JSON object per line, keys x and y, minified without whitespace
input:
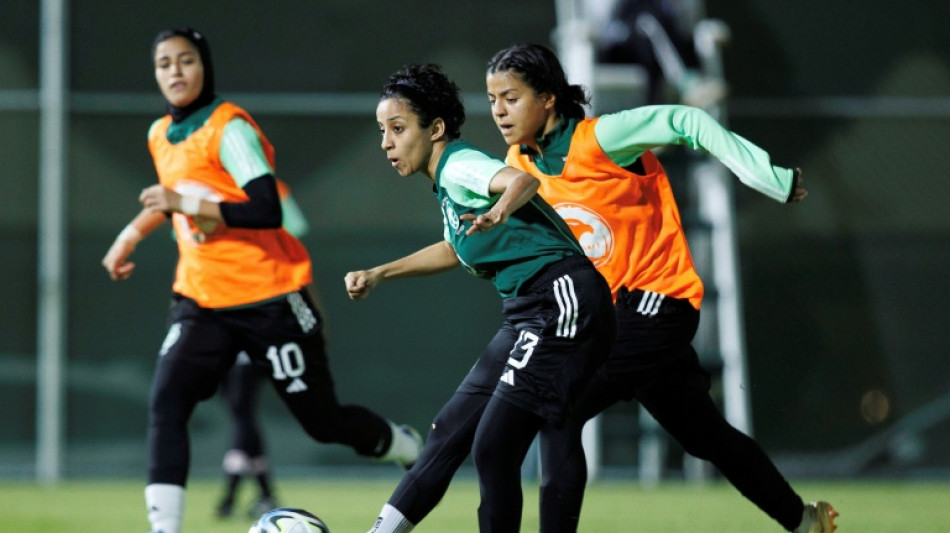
{"x":204,"y":52}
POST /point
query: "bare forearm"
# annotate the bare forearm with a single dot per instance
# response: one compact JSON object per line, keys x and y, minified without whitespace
{"x":516,"y":188}
{"x":116,"y":260}
{"x":148,"y":221}
{"x":159,"y":199}
{"x":519,"y":191}
{"x":433,"y":259}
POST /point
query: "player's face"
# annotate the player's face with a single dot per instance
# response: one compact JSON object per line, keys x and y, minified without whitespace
{"x":521,"y":114}
{"x":178,"y":71}
{"x":408,"y":145}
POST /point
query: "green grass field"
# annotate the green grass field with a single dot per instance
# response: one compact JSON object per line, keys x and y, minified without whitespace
{"x":350,"y":505}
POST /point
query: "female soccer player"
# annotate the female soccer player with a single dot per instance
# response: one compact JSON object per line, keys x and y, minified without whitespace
{"x":559,"y":319}
{"x":601,"y":172}
{"x":241,"y":281}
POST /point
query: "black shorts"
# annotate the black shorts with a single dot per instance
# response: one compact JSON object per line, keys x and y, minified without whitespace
{"x":560,"y":329}
{"x":653,"y":344}
{"x":283,"y":338}
{"x":483,"y":377}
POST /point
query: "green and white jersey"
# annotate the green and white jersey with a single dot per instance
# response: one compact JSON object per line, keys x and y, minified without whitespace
{"x":508,"y":255}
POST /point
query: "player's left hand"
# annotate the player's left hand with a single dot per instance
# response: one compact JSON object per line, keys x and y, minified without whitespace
{"x":483,"y":222}
{"x":160,"y":198}
{"x":799,"y":193}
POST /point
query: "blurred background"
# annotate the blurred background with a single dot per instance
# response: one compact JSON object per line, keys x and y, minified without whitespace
{"x":838,"y":315}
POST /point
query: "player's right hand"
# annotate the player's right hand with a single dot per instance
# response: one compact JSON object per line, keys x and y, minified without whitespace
{"x":358,"y":284}
{"x":115,"y":260}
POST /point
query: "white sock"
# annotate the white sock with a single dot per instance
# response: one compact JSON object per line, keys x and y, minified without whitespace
{"x":404,"y":448}
{"x":166,"y":507}
{"x":806,"y":522}
{"x":391,"y":521}
{"x":236,"y":463}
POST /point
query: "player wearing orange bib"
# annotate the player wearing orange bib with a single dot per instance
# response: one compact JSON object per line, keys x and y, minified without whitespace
{"x":628,"y":223}
{"x":241,"y":283}
{"x":600,"y":175}
{"x":273,"y":262}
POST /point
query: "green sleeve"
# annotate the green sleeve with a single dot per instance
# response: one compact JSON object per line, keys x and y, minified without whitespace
{"x":241,"y":152}
{"x":467,"y":173}
{"x":626,"y":135}
{"x":294,"y":220}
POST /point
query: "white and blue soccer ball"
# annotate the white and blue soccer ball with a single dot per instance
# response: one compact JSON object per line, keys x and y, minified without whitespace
{"x":288,"y":520}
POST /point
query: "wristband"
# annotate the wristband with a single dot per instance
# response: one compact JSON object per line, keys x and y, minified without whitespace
{"x":130,"y":233}
{"x":190,"y":205}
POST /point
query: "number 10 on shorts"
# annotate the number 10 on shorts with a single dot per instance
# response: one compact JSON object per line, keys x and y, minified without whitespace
{"x":286,"y":361}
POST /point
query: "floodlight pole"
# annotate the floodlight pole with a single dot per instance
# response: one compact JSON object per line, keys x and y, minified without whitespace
{"x":51,"y":235}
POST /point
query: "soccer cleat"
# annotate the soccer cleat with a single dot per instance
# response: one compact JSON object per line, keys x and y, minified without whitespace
{"x":225,"y":509}
{"x":819,"y":517}
{"x":409,"y":459}
{"x":405,"y":446}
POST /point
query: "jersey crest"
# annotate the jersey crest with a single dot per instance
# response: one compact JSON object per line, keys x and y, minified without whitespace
{"x":451,"y":217}
{"x":591,"y":230}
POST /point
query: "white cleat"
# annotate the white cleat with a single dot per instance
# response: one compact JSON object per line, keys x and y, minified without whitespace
{"x":405,"y":448}
{"x":819,"y":517}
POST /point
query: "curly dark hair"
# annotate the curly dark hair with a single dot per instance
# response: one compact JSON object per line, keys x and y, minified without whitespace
{"x":430,"y":94}
{"x":541,"y":70}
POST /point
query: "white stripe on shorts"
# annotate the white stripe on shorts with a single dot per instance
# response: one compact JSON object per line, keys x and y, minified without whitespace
{"x":650,"y":303}
{"x":567,"y":303}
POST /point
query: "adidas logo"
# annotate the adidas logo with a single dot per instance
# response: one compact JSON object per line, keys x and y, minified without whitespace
{"x":508,"y":376}
{"x":297,"y":385}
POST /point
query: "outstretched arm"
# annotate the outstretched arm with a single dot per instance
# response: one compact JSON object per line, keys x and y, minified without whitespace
{"x":433,"y":259}
{"x":624,"y":137}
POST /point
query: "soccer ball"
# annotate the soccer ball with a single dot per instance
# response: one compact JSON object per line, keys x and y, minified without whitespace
{"x":288,"y":520}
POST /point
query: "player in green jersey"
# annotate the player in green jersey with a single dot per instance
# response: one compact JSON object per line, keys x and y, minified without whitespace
{"x":559,"y":315}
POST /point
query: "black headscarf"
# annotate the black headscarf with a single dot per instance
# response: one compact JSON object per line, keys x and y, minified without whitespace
{"x":204,"y":52}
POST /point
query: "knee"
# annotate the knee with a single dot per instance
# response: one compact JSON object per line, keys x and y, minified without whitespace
{"x":481,"y":454}
{"x":167,"y":408}
{"x":565,"y":475}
